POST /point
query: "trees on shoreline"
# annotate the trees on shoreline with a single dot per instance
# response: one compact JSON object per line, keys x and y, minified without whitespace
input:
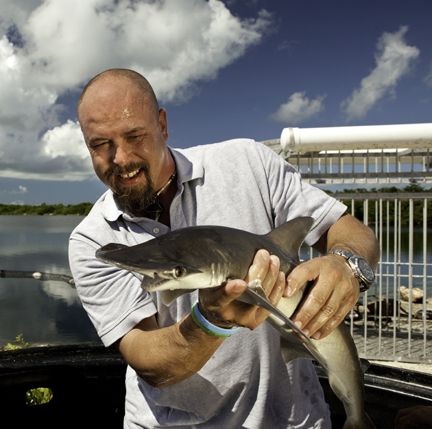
{"x":82,"y":209}
{"x":373,"y":208}
{"x":46,"y":209}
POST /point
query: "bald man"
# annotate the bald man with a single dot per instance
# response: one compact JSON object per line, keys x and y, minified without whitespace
{"x":185,"y":373}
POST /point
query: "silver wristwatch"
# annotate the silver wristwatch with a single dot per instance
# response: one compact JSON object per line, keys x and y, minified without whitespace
{"x":361,"y":268}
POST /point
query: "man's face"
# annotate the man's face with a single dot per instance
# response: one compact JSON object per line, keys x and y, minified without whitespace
{"x":126,"y":138}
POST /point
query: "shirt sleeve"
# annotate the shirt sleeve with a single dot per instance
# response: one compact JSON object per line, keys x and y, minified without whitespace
{"x":112,"y":297}
{"x":292,"y":197}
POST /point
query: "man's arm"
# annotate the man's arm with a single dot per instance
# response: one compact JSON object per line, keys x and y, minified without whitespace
{"x":165,"y":356}
{"x":335,"y":290}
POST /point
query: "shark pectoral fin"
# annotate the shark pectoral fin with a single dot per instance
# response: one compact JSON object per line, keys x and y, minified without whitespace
{"x":168,"y":296}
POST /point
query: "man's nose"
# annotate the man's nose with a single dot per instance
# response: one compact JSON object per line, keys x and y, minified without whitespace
{"x":121,"y":155}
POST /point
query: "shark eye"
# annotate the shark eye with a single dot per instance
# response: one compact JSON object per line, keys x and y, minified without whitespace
{"x":178,"y":272}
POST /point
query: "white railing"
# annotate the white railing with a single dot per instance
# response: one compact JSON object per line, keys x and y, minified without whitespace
{"x":388,"y":322}
{"x":383,"y":154}
{"x":392,"y":321}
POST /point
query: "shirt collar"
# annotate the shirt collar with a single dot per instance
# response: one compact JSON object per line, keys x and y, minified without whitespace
{"x":187,"y":170}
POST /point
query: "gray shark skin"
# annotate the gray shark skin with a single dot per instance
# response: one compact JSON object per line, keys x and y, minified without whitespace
{"x":207,"y":256}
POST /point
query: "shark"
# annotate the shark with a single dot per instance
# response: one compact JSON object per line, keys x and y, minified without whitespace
{"x":204,"y":256}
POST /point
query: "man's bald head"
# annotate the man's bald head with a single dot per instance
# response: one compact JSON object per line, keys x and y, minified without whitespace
{"x":111,"y":75}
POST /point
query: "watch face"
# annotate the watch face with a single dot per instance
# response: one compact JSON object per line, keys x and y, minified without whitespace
{"x":365,"y":270}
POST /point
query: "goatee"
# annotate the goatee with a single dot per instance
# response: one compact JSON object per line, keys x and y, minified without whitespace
{"x":131,"y":199}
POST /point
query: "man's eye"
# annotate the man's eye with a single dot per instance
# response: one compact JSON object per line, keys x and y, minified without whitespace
{"x":134,"y":138}
{"x":98,"y":145}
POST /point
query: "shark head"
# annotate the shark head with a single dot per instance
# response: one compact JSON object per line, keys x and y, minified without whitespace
{"x":179,"y":260}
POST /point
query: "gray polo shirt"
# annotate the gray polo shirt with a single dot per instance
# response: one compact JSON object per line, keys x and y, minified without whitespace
{"x":240,"y":184}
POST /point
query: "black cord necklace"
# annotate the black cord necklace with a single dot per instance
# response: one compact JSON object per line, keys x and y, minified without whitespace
{"x":155,"y":209}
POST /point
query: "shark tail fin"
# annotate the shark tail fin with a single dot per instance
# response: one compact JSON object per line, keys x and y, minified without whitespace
{"x":101,"y":252}
{"x":291,"y":235}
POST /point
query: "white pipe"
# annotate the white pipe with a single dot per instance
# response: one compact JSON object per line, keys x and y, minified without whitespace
{"x":356,"y":137}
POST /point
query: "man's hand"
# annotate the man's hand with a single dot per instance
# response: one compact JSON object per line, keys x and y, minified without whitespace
{"x":334,"y":292}
{"x":220,"y":306}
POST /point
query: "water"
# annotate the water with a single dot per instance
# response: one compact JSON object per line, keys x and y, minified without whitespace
{"x":43,"y":312}
{"x":50,"y":312}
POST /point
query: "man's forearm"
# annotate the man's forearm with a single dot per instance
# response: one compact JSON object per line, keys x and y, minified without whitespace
{"x":350,"y":234}
{"x":165,"y":356}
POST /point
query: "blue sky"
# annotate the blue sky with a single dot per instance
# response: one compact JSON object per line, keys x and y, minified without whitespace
{"x":227,"y":69}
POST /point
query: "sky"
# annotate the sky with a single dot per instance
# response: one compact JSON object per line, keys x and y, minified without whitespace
{"x":221,"y":69}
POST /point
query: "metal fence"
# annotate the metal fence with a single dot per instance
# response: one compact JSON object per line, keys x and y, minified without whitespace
{"x":393,"y":320}
{"x":379,"y":166}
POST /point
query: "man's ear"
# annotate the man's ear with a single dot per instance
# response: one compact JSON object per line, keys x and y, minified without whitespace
{"x":163,"y":123}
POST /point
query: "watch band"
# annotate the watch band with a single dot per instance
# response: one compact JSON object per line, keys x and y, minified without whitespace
{"x":342,"y":252}
{"x":365,"y":278}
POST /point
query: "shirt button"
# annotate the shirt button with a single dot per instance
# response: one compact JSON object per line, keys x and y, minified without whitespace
{"x":156,"y":230}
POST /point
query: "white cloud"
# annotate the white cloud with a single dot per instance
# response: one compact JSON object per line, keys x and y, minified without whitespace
{"x":393,"y":60}
{"x":298,"y":108}
{"x":45,"y":53}
{"x":58,"y":142}
{"x":16,"y":12}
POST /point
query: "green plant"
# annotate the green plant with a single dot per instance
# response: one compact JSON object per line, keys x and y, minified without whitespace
{"x":37,"y":395}
{"x":18,"y":343}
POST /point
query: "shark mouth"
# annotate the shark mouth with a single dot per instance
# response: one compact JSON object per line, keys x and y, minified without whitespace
{"x":153,"y":283}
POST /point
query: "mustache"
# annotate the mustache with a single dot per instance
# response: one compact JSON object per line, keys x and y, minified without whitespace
{"x":116,"y":170}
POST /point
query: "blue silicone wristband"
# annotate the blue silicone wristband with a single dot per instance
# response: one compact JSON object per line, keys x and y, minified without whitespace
{"x":208,"y":327}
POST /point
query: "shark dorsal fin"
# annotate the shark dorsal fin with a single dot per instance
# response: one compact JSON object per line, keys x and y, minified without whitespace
{"x":290,"y":236}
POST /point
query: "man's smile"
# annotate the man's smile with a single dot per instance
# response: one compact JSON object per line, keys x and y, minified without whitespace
{"x":131,"y":174}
